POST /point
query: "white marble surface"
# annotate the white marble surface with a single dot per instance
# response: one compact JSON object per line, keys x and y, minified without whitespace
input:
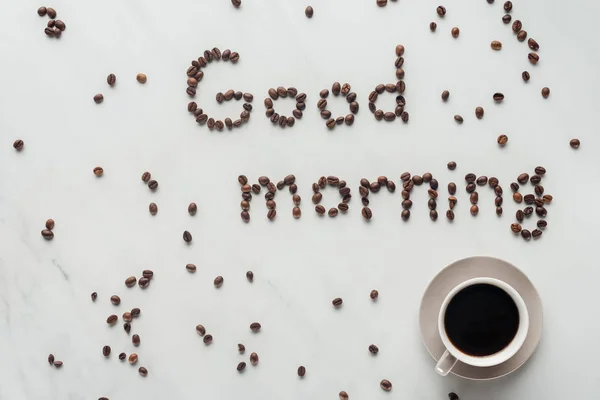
{"x":104,"y":232}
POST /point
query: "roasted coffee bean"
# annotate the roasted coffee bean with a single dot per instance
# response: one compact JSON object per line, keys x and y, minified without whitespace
{"x":474,"y":198}
{"x":517,"y":197}
{"x":542,"y":224}
{"x":309,"y":12}
{"x":451,"y":165}
{"x":317,"y":197}
{"x":58,"y":364}
{"x":575,"y":143}
{"x":301,"y":371}
{"x":498,"y":97}
{"x":445,"y":95}
{"x":106,"y":351}
{"x":523,"y":178}
{"x":390,"y":87}
{"x":498,"y":201}
{"x":367,"y":213}
{"x":339,"y":120}
{"x":547,"y":198}
{"x":42,"y":12}
{"x":541,"y":211}
{"x":540,"y":171}
{"x":127,"y":317}
{"x":450,"y":215}
{"x":516,"y":26}
{"x":152,"y":184}
{"x":458,"y":119}
{"x":498,"y":190}
{"x":406,"y":204}
{"x":452,"y":202}
{"x":324,"y":93}
{"x":399,"y":50}
{"x":482,"y":180}
{"x":386,"y":385}
{"x":520,"y":215}
{"x":441,"y":10}
{"x":343,"y":395}
{"x":253,"y":359}
{"x":144,"y":282}
{"x":143,"y":371}
{"x":502,"y":140}
{"x":496,"y":45}
{"x":533,"y":58}
{"x":533,"y":45}
{"x":133,"y":358}
{"x":282,"y":92}
{"x":529,"y":198}
{"x":271,"y":204}
{"x":99,"y":98}
{"x":333,"y":212}
{"x":190,"y":267}
{"x":321,"y":104}
{"x":320,"y":209}
{"x":470,"y":177}
{"x":506,"y":18}
{"x":187,"y":237}
{"x":255,"y":326}
{"x":432,"y":26}
{"x":516,"y":228}
{"x":455,"y":32}
{"x":207,"y":339}
{"x":507,"y":6}
{"x":345,"y":89}
{"x":405,"y":215}
{"x":536,"y":234}
{"x":131,"y":281}
{"x":94,"y":296}
{"x":241,"y":366}
{"x":539,"y":190}
{"x":330,"y":123}
{"x":337,"y":302}
{"x":256,"y":188}
{"x":470,"y":188}
{"x":389,"y":116}
{"x":514,"y":186}
{"x":379,"y":115}
{"x":479,"y":112}
{"x":521,"y":36}
{"x":452,"y":188}
{"x":153,"y":208}
{"x":545,"y":92}
{"x":351,"y":97}
{"x":526,"y":234}
{"x":135,"y":339}
{"x":432,"y":193}
{"x":528,"y":211}
{"x":116,"y":300}
{"x":200,"y":330}
{"x":474,"y":210}
{"x":525,"y":75}
{"x":399,"y":63}
{"x":218,"y":282}
{"x":433,"y":215}
{"x":51,"y":32}
{"x":127,"y":327}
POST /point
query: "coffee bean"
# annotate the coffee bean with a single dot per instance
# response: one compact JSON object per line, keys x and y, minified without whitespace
{"x":106,"y":351}
{"x":514,"y":186}
{"x":496,"y":45}
{"x":506,"y":18}
{"x":520,"y":215}
{"x":458,"y":119}
{"x":94,"y":296}
{"x":337,"y":302}
{"x":207,"y":339}
{"x":470,"y":188}
{"x":516,"y":228}
{"x":41,"y":12}
{"x":539,"y":190}
{"x":58,"y":364}
{"x":502,"y":140}
{"x":542,"y":224}
{"x":374,"y":294}
{"x":575,"y":143}
{"x":498,"y":190}
{"x":254,"y":358}
{"x":143,"y":371}
{"x":236,"y":3}
{"x":51,"y":359}
{"x":127,"y":317}
{"x":525,"y":75}
{"x":541,"y":211}
{"x":516,"y":26}
{"x":452,"y":202}
{"x":498,"y":97}
{"x":545,"y":92}
{"x":479,"y":112}
{"x":533,"y":45}
{"x":127,"y":327}
{"x":99,"y":98}
{"x":301,"y":371}
{"x":386,"y":385}
{"x":405,"y":215}
{"x":51,"y":12}
{"x":445,"y":95}
{"x":141,"y":78}
{"x":547,"y":198}
{"x":255,"y":326}
{"x":455,"y":32}
{"x":432,"y":26}
{"x":47,"y":234}
{"x":343,"y":395}
{"x":320,"y":209}
{"x":367,"y":213}
{"x":450,"y":215}
{"x":144,"y":282}
{"x":218,"y":282}
{"x":533,"y":58}
{"x":282,"y":92}
{"x":526,"y":234}
{"x":517,"y":197}
{"x":131,"y":281}
{"x":521,"y":36}
{"x":452,"y":188}
{"x":381,"y":3}
{"x":452,"y":395}
{"x":135,"y":339}
{"x":389,"y":116}
{"x":399,"y":50}
{"x":529,"y":199}
{"x":152,"y":184}
{"x":536,"y":234}
{"x":470,"y":177}
{"x":528,"y":211}
{"x":116,"y":300}
{"x":333,"y":212}
{"x":50,"y":32}
{"x":187,"y":237}
{"x":523,"y":178}
{"x":153,"y":208}
{"x":135,"y":312}
{"x":507,"y":6}
{"x":441,"y":10}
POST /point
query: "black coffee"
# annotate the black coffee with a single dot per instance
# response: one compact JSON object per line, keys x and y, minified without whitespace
{"x":481,"y":320}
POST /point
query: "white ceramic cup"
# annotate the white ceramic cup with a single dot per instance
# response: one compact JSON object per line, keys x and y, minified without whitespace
{"x":452,"y":354}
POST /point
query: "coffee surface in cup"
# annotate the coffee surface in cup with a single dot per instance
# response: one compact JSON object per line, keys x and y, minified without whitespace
{"x":481,"y":320}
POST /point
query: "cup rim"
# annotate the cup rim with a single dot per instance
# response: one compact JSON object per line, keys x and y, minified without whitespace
{"x":508,"y":351}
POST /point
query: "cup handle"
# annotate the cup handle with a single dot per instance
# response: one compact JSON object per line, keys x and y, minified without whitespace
{"x":445,"y":364}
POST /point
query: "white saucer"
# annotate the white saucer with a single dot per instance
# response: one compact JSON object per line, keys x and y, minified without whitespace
{"x":459,"y":272}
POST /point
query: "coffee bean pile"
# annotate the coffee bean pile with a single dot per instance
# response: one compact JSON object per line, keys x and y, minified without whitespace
{"x":399,"y":87}
{"x":336,"y":90}
{"x":195,"y":74}
{"x":521,"y":34}
{"x":272,"y":188}
{"x":408,"y":183}
{"x":537,"y":199}
{"x":343,"y":190}
{"x":367,"y":187}
{"x":47,"y":233}
{"x":53,"y":362}
{"x":282,"y":92}
{"x":55,"y":27}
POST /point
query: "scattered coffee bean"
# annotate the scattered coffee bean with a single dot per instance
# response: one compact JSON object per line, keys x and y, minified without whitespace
{"x":452,"y":395}
{"x":141,"y":78}
{"x":533,"y":45}
{"x":526,"y":234}
{"x":106,"y":351}
{"x":94,"y":296}
{"x":187,"y":237}
{"x":241,"y":366}
{"x":144,"y":282}
{"x":135,"y":339}
{"x":432,"y":26}
{"x":127,"y":316}
{"x":523,"y":178}
{"x":547,"y":198}
{"x":441,"y":10}
{"x":343,"y":395}
{"x":333,"y":212}
{"x":405,"y":215}
{"x":381,"y":3}
{"x":143,"y":371}
{"x":253,"y":358}
{"x":153,"y":185}
{"x":517,"y":197}
{"x":131,"y":281}
{"x":525,"y":75}
{"x":458,"y":119}
{"x":533,"y":58}
{"x":111,"y":79}
{"x":41,"y":12}
{"x":99,"y":98}
{"x":502,"y":140}
{"x":479,"y":112}
{"x":516,"y":26}
{"x":207,"y":339}
{"x":445,"y":95}
{"x":474,"y":210}
{"x":153,"y":208}
{"x":51,"y":12}
{"x":516,"y":228}
{"x":455,"y":32}
{"x":255,"y":326}
{"x":450,"y":215}
{"x":545,"y":92}
{"x":127,"y":327}
{"x":367,"y":213}
{"x":498,"y":97}
{"x":309,"y":12}
{"x":115,"y":300}
{"x":451,"y":165}
{"x":47,"y":234}
{"x":506,"y":18}
{"x":575,"y":143}
{"x":521,"y":36}
{"x":51,"y":359}
{"x":386,"y":385}
{"x":496,"y":45}
{"x":337,"y":302}
{"x":58,"y":364}
{"x":301,"y":371}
